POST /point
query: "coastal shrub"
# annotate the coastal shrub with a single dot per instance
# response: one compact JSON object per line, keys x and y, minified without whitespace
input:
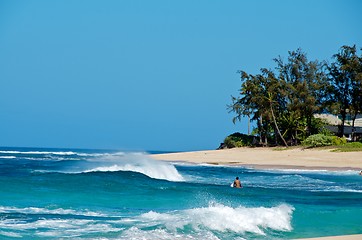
{"x":318,"y":140}
{"x":238,"y":140}
{"x":338,"y":141}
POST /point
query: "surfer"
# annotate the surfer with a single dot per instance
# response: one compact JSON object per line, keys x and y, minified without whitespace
{"x":237,"y":183}
{"x":360,"y":173}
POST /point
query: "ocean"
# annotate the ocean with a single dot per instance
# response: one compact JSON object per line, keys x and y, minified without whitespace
{"x":99,"y":194}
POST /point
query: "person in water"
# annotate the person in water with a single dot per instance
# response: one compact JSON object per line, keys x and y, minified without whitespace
{"x":360,"y":173}
{"x":237,"y":183}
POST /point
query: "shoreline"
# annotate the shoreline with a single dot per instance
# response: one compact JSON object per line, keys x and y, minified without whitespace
{"x":271,"y":158}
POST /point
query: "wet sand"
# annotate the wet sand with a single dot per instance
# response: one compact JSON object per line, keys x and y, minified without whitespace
{"x":345,"y":237}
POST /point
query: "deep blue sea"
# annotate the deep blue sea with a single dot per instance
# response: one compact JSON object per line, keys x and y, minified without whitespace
{"x":94,"y":194}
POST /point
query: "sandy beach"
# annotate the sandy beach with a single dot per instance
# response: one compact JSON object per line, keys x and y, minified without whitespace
{"x":275,"y":158}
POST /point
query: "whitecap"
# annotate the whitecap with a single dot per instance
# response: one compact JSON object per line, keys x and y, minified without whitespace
{"x":8,"y":157}
{"x":39,"y":152}
{"x":218,"y":217}
{"x":57,"y":211}
{"x":136,"y":162}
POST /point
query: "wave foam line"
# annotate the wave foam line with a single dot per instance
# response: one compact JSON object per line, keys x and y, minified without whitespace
{"x":218,"y":217}
{"x":8,"y":157}
{"x":157,"y":234}
{"x":55,"y":228}
{"x":308,"y":171}
{"x":67,"y":153}
{"x":58,"y":211}
{"x":39,"y":153}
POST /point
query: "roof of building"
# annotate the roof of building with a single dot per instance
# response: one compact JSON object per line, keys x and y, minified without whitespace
{"x":331,"y":119}
{"x":334,"y":120}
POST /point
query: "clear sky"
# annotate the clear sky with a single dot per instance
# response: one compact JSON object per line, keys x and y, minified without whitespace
{"x":148,"y":75}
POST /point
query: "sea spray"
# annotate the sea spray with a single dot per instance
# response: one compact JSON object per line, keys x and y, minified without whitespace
{"x":136,"y":162}
{"x":218,"y":217}
{"x":102,"y":162}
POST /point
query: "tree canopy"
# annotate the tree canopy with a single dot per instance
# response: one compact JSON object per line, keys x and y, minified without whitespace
{"x":282,"y":101}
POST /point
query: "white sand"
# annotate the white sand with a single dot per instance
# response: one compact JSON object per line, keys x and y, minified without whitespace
{"x":271,"y":158}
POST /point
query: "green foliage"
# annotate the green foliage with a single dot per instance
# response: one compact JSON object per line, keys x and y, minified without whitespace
{"x":317,"y":140}
{"x":238,"y":140}
{"x":345,"y":90}
{"x":321,"y":140}
{"x":319,"y":126}
{"x":282,"y":100}
{"x":336,"y":141}
{"x":350,"y":147}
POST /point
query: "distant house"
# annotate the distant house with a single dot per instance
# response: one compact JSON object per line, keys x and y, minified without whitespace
{"x":334,"y":121}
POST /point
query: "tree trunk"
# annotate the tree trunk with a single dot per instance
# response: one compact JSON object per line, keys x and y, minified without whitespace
{"x":353,"y":129}
{"x":342,"y":125}
{"x":276,"y":125}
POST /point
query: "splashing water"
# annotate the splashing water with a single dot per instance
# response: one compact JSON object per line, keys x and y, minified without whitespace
{"x":136,"y":162}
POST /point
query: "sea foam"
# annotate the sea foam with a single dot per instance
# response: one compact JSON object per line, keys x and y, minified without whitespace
{"x":39,"y":152}
{"x":218,"y":217}
{"x":136,"y":162}
{"x":57,"y":211}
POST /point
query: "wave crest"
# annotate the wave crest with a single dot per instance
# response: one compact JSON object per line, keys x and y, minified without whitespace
{"x":222,"y":218}
{"x":135,"y":162}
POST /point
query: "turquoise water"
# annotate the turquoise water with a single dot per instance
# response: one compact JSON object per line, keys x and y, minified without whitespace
{"x":90,"y":194}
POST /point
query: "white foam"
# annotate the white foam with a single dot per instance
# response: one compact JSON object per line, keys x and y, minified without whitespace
{"x":10,"y":234}
{"x":39,"y":152}
{"x":137,"y":162}
{"x":57,"y":228}
{"x":64,"y":153}
{"x":8,"y":157}
{"x":53,"y":227}
{"x":218,"y":217}
{"x":60,"y":211}
{"x":135,"y":233}
{"x":203,"y":222}
{"x":101,"y":154}
{"x":112,"y":162}
{"x":310,"y":171}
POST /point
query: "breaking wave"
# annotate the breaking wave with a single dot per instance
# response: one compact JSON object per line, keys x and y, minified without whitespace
{"x":136,"y":162}
{"x":82,"y":162}
{"x":193,"y":223}
{"x":218,"y":217}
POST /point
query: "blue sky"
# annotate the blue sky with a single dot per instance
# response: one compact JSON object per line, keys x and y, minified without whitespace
{"x":148,"y":75}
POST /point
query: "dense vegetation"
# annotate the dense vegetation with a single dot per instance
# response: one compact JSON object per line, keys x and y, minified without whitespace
{"x":238,"y":140}
{"x":321,"y":140}
{"x":282,"y":101}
